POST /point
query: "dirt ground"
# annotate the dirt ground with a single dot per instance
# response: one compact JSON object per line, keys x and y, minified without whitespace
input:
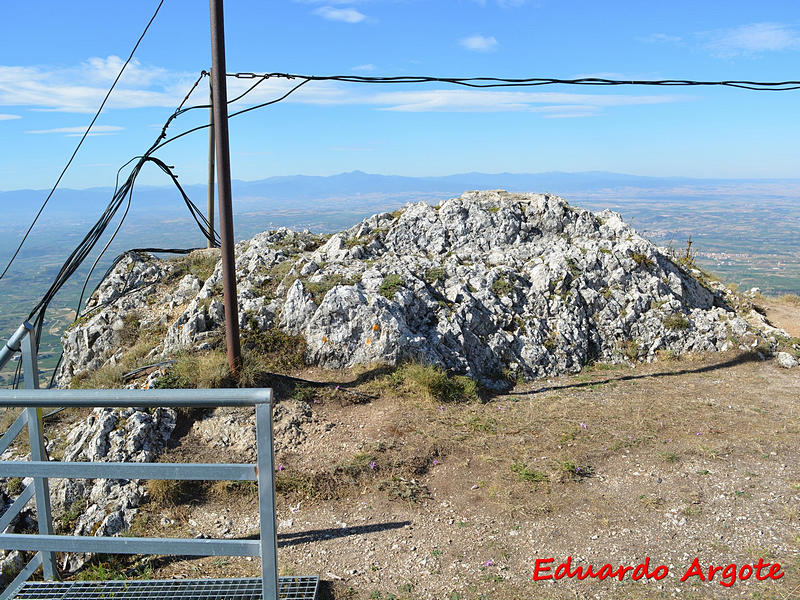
{"x":391,"y":496}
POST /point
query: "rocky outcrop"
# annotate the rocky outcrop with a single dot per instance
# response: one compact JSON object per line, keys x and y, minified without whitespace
{"x":106,"y":507}
{"x":495,"y":285}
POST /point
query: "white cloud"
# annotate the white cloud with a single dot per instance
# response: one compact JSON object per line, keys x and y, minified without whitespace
{"x":97,"y":129}
{"x":345,"y":15}
{"x":751,"y":39}
{"x":367,"y":67}
{"x":80,"y":89}
{"x":6,"y":117}
{"x":479,"y":43}
{"x":549,"y":104}
{"x":40,"y":88}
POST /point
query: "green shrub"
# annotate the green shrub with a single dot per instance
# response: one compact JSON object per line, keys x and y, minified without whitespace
{"x":642,"y":260}
{"x":434,"y":275}
{"x":676,"y":321}
{"x":501,"y":286}
{"x":390,"y":285}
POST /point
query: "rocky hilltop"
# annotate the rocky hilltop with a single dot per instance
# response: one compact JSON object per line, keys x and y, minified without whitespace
{"x":494,"y":285}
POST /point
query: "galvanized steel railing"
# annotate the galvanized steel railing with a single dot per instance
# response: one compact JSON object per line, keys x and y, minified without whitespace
{"x":45,"y":544}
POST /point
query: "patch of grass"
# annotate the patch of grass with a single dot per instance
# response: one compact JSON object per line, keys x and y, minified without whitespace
{"x":275,"y":349}
{"x":400,"y":488}
{"x":273,"y":278}
{"x":525,"y":473}
{"x":165,"y":492}
{"x":482,"y":425}
{"x":68,"y":520}
{"x":104,"y":378}
{"x":669,"y":457}
{"x":551,"y":343}
{"x":573,"y":268}
{"x":630,"y":349}
{"x":573,"y":471}
{"x":197,"y":370}
{"x":14,"y":486}
{"x":227,"y":489}
{"x":200,"y":264}
{"x":110,"y":568}
{"x":390,"y":285}
{"x":432,"y":383}
{"x":676,"y":322}
{"x":318,"y":289}
{"x":501,"y":286}
{"x":642,"y":260}
{"x":433,"y":275}
{"x":790,"y":299}
{"x":129,"y":334}
{"x":304,"y":393}
{"x":493,"y":209}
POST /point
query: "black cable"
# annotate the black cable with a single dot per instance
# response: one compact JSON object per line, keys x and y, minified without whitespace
{"x":80,"y":143}
{"x":490,"y":82}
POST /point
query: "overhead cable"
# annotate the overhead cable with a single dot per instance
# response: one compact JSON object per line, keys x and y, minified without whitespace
{"x":80,"y":142}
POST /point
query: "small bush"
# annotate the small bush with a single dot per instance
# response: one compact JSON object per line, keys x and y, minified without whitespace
{"x":630,"y":349}
{"x":390,"y":285}
{"x":501,"y":286}
{"x":676,"y":322}
{"x":14,"y":486}
{"x":642,"y":260}
{"x":434,"y":275}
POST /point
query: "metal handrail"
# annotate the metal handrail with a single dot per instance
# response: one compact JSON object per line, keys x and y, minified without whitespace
{"x":45,"y":543}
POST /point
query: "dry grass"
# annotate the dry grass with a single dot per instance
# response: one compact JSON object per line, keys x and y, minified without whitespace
{"x":165,"y":493}
{"x":430,"y":383}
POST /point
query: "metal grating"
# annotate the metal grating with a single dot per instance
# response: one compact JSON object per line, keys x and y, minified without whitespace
{"x":290,"y":588}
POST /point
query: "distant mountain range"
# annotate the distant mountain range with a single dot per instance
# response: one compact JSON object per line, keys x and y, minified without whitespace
{"x":357,"y":188}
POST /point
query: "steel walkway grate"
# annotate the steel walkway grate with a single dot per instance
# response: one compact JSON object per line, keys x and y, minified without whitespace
{"x":291,"y":588}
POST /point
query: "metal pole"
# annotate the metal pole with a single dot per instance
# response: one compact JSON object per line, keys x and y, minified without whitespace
{"x":266,"y":502}
{"x":30,"y":369}
{"x":210,"y":211}
{"x":220,"y":109}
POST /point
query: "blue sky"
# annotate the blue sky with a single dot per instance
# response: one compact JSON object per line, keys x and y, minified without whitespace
{"x":57,"y":60}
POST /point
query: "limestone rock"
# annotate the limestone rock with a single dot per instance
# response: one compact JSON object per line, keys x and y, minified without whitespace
{"x":491,"y":284}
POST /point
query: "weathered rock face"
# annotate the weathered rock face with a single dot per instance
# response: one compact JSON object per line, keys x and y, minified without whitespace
{"x":107,"y":506}
{"x":491,"y":284}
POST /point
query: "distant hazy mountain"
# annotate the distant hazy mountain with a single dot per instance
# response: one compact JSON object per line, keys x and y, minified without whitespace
{"x":306,"y":191}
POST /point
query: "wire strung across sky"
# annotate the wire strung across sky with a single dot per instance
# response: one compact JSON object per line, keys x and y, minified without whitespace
{"x":492,"y":82}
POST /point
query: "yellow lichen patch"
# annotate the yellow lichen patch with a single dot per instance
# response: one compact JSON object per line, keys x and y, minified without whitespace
{"x":368,"y":342}
{"x":376,"y":327}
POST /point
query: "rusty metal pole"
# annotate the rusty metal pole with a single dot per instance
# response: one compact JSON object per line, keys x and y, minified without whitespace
{"x":220,"y":108}
{"x":211,"y":166}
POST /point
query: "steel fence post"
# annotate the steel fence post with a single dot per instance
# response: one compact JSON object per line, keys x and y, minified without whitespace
{"x":266,"y":501}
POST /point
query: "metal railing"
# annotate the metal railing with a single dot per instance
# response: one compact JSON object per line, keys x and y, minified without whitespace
{"x":45,"y":544}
